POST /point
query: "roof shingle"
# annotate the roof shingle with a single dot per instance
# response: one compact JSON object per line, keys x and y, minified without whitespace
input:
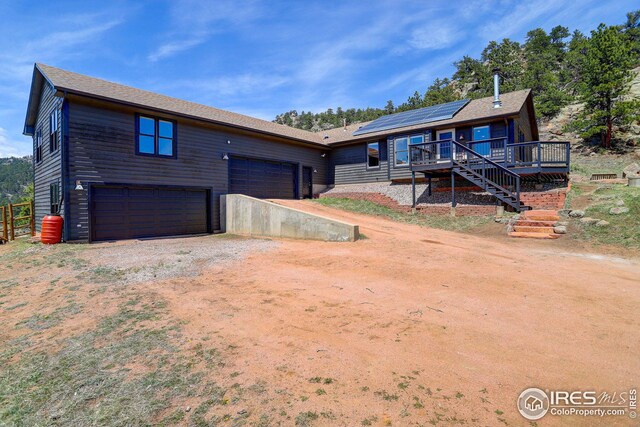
{"x":81,"y":84}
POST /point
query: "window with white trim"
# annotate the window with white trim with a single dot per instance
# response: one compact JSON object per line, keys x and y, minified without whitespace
{"x":54,"y":128}
{"x":38,"y":141}
{"x":373,"y":155}
{"x":402,"y":148}
{"x":54,"y":197}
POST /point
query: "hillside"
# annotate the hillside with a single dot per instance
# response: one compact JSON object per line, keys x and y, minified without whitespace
{"x":16,"y":175}
{"x":555,"y":128}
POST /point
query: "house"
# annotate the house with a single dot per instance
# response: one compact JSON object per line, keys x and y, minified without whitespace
{"x":119,"y":162}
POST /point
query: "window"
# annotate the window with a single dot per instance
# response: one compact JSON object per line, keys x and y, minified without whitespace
{"x":402,"y":148}
{"x":53,"y":132}
{"x":54,"y":197}
{"x":155,"y":137}
{"x":39,"y":146}
{"x":373,"y":155}
{"x":416,"y":139}
{"x":402,"y":151}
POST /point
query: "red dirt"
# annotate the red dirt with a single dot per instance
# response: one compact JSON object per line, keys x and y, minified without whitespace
{"x":461,"y":323}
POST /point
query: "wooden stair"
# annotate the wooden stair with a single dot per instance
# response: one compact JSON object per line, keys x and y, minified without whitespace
{"x":536,"y":224}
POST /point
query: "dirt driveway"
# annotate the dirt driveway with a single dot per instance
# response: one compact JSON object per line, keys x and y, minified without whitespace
{"x":415,"y":325}
{"x":410,"y":326}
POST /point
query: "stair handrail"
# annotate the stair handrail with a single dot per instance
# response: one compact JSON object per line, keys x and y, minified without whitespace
{"x":484,"y":161}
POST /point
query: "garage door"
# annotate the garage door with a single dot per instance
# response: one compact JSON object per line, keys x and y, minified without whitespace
{"x":129,"y":212}
{"x":263,"y":179}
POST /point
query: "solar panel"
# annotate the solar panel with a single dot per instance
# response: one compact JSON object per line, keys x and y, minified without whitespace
{"x":414,"y":117}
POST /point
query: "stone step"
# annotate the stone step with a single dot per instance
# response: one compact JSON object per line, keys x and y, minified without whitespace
{"x":534,"y":223}
{"x":541,"y":215}
{"x":525,"y":235}
{"x":529,"y":229}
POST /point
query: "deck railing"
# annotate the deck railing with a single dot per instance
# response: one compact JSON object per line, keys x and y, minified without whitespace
{"x":538,"y":154}
{"x":535,"y":154}
{"x":494,"y":148}
{"x":430,"y":153}
{"x":491,"y":173}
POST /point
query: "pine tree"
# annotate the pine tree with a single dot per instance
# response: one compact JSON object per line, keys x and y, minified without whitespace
{"x":631,"y":29}
{"x":605,"y":74}
{"x":389,"y":108}
{"x":545,"y":57}
{"x":440,"y":91}
{"x":507,"y":57}
{"x":473,"y":75}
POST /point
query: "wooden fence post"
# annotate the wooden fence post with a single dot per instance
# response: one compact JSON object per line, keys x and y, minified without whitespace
{"x":33,"y":219}
{"x":12,"y":235}
{"x":4,"y":223}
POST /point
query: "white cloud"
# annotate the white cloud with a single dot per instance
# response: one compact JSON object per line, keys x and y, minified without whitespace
{"x":232,"y":85}
{"x":13,"y":148}
{"x":172,"y":48}
{"x":194,"y":22}
{"x":18,"y":54}
{"x":434,"y":37}
{"x":60,"y":40}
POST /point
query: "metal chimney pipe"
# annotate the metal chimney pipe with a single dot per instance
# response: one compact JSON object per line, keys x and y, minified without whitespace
{"x":496,"y":89}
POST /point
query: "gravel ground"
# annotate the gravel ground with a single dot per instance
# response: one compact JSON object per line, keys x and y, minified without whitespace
{"x":154,"y":259}
{"x":401,"y":193}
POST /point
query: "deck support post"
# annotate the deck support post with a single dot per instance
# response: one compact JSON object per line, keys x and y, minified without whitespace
{"x":453,"y":189}
{"x":413,"y":189}
{"x":429,"y":185}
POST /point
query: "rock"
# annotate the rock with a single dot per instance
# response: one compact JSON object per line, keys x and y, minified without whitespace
{"x":560,"y":229}
{"x":562,"y":223}
{"x":630,"y":171}
{"x":509,"y":228}
{"x":576,"y":214}
{"x":618,"y":211}
{"x":187,"y":409}
{"x":588,"y":220}
{"x":619,"y":203}
{"x":564,"y":212}
{"x":602,"y":223}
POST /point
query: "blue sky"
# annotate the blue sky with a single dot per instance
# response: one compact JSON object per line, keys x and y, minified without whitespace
{"x":262,"y":58}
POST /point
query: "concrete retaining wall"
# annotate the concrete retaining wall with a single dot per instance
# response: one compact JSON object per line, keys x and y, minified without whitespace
{"x":249,"y":216}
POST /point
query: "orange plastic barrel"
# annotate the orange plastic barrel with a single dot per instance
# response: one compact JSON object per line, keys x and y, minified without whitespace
{"x":51,"y":229}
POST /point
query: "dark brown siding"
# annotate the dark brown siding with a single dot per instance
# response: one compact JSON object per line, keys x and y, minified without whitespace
{"x":47,"y":171}
{"x":523,"y":124}
{"x":102,"y":150}
{"x":349,"y":164}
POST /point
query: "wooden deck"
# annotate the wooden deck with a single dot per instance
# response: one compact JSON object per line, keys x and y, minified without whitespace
{"x":525,"y":158}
